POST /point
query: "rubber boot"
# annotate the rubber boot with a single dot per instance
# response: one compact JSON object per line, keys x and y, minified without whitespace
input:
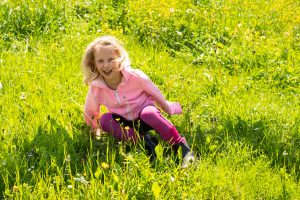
{"x":150,"y":144}
{"x":187,"y":155}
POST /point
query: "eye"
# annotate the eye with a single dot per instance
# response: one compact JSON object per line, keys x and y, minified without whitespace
{"x":110,"y":59}
{"x":99,"y":61}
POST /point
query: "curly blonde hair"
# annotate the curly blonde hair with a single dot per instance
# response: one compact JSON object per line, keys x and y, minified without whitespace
{"x":88,"y":64}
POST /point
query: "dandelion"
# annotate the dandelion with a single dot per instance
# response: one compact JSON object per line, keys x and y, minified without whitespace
{"x":171,"y":10}
{"x":23,"y":96}
{"x":81,"y":179}
{"x":126,"y":128}
{"x":15,"y":188}
{"x":172,"y":178}
{"x":156,"y":190}
{"x":189,"y":11}
{"x":68,"y":158}
{"x":30,"y":168}
{"x":1,"y":86}
{"x":179,"y":33}
{"x":208,"y":76}
{"x":104,"y":165}
{"x":284,"y":153}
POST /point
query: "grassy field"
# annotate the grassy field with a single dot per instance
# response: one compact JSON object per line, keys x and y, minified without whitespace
{"x":233,"y":65}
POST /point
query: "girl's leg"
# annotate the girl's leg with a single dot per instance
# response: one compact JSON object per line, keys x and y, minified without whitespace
{"x":167,"y":131}
{"x":113,"y":126}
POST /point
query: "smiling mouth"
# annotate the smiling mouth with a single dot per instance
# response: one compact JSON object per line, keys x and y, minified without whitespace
{"x":107,"y":72}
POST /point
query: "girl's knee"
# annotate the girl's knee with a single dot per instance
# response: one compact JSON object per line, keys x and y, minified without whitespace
{"x":152,"y":116}
{"x":106,"y":120}
{"x":149,"y":113}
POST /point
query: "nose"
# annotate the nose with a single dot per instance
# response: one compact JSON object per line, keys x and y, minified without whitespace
{"x":106,"y":65}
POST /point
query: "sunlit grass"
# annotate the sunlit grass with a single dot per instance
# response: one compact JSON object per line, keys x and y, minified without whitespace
{"x":234,"y":66}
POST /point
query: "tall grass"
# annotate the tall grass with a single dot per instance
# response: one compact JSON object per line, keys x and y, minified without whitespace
{"x":234,"y":66}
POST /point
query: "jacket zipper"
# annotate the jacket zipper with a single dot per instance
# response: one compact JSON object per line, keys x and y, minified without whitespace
{"x":117,"y":97}
{"x":120,"y":103}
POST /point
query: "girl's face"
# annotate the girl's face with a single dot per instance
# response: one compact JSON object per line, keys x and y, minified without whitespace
{"x":106,"y":62}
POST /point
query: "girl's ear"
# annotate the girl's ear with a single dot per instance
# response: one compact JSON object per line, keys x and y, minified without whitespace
{"x":117,"y":52}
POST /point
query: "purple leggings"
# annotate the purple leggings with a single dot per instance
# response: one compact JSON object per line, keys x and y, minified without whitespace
{"x":150,"y":118}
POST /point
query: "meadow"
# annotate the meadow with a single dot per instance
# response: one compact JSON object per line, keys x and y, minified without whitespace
{"x":234,"y":66}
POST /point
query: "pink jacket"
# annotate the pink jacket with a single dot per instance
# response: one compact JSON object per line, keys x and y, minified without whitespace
{"x":134,"y":92}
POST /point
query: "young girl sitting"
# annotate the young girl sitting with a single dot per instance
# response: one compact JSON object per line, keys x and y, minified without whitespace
{"x":130,"y":97}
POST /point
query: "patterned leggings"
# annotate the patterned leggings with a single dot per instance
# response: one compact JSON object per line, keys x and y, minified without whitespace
{"x":150,"y":118}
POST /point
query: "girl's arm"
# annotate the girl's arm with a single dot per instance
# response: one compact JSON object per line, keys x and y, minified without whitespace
{"x":169,"y":107}
{"x":91,"y":110}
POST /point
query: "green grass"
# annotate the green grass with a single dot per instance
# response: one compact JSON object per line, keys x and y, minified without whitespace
{"x":233,"y":65}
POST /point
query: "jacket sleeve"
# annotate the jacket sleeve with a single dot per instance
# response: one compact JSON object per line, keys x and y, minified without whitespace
{"x":167,"y":106}
{"x":91,"y":109}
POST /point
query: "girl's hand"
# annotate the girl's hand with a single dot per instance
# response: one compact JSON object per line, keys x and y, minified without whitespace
{"x":97,"y":133}
{"x":174,"y":108}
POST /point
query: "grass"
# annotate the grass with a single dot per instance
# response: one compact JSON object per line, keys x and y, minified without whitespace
{"x":234,"y":66}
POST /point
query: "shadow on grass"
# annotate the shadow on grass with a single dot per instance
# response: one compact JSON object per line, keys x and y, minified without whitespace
{"x":56,"y":152}
{"x":53,"y":151}
{"x":282,"y":149}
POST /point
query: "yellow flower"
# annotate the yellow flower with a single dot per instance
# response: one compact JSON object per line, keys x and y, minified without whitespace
{"x":15,"y":188}
{"x":105,"y":165}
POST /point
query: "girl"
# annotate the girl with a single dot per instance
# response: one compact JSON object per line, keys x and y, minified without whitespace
{"x":131,"y":98}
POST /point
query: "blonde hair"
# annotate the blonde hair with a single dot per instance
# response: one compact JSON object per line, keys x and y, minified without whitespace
{"x":88,"y":64}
